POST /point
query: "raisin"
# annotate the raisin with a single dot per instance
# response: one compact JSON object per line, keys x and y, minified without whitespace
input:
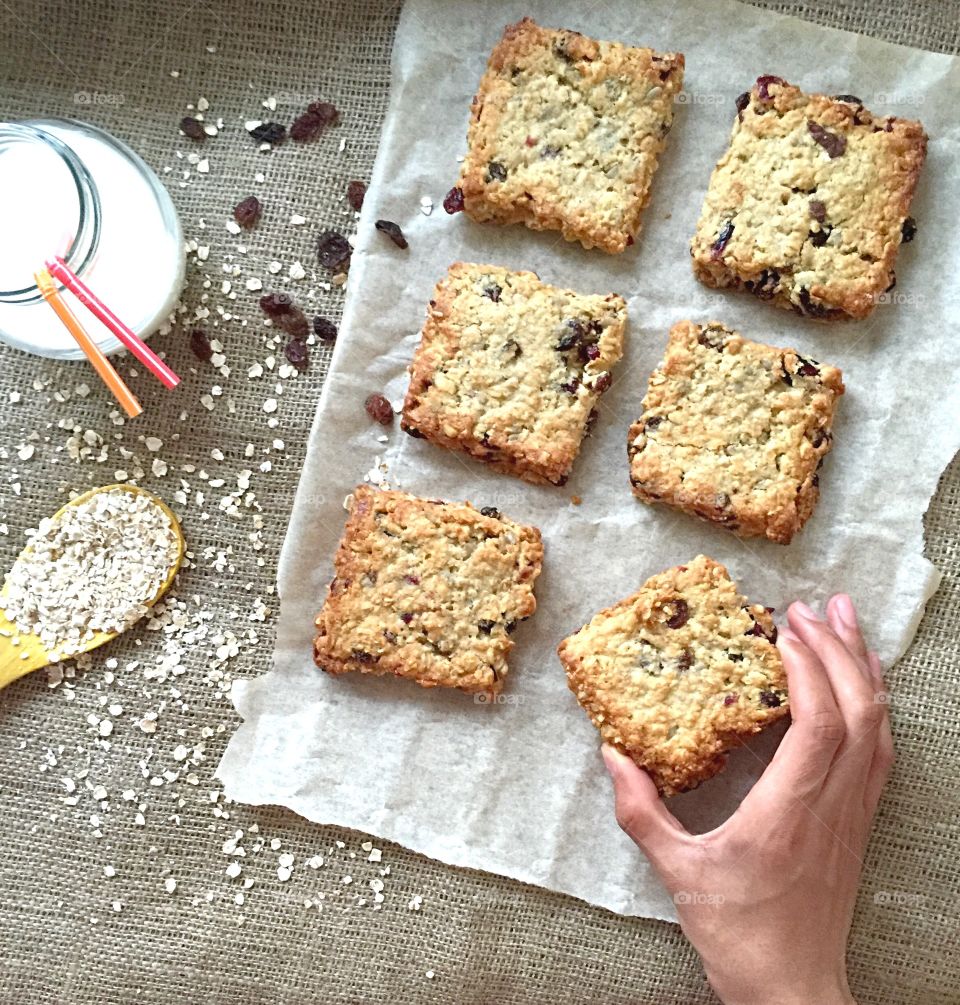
{"x":712,"y":338}
{"x":571,"y":337}
{"x":275,"y":305}
{"x":807,"y":368}
{"x":723,"y":237}
{"x":818,"y":210}
{"x":603,"y":383}
{"x":764,"y":82}
{"x":729,"y":699}
{"x":269,"y":132}
{"x":589,"y":352}
{"x":306,"y":127}
{"x":909,"y":230}
{"x":571,"y":386}
{"x":742,"y":101}
{"x":379,"y":409}
{"x":681,"y":614}
{"x":324,"y":329}
{"x":760,"y":633}
{"x":820,"y":436}
{"x":294,"y":323}
{"x":511,"y":627}
{"x":496,"y":172}
{"x":406,"y":617}
{"x":491,"y":511}
{"x":811,"y":309}
{"x":193,"y":128}
{"x":362,"y":656}
{"x":326,"y":113}
{"x":685,"y":661}
{"x":296,"y":352}
{"x":391,"y":637}
{"x":453,"y":200}
{"x":486,"y":626}
{"x":653,"y":422}
{"x":850,"y":99}
{"x":770,"y":699}
{"x":392,"y":231}
{"x":493,"y":292}
{"x":735,"y":657}
{"x":818,"y":238}
{"x":765,"y":287}
{"x":247,"y":212}
{"x":200,"y":344}
{"x":333,"y":249}
{"x":356,"y":190}
{"x":833,"y":143}
{"x":785,"y":373}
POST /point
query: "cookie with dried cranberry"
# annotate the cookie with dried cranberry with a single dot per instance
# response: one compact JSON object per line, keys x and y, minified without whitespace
{"x":566,"y":132}
{"x":809,"y":205}
{"x":734,"y":431}
{"x":427,"y":590}
{"x":510,"y":370}
{"x":678,"y":673}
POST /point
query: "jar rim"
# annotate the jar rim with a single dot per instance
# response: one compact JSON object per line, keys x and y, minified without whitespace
{"x":85,"y":241}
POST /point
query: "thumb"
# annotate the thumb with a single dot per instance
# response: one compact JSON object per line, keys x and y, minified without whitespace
{"x":640,"y":810}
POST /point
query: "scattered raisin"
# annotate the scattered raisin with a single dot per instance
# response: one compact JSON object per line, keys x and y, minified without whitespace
{"x":909,"y":230}
{"x":491,"y":511}
{"x":247,"y":212}
{"x":356,"y":190}
{"x":294,"y":323}
{"x":496,"y":172}
{"x":379,"y":409}
{"x":486,"y":626}
{"x":723,"y":237}
{"x":681,"y":614}
{"x":453,"y":200}
{"x":200,"y":344}
{"x":324,"y":329}
{"x":306,"y":127}
{"x":275,"y":305}
{"x":833,"y":143}
{"x":493,"y":291}
{"x":296,"y":351}
{"x":193,"y":128}
{"x":392,"y":231}
{"x":333,"y":249}
{"x":324,"y":111}
{"x":770,"y":699}
{"x":269,"y":132}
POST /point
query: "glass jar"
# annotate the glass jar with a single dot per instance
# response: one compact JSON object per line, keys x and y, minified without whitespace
{"x":72,"y":189}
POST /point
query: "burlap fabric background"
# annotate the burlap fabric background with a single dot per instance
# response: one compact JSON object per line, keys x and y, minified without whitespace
{"x":484,"y":939}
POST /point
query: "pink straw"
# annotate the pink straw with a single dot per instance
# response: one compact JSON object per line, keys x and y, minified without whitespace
{"x":59,"y":269}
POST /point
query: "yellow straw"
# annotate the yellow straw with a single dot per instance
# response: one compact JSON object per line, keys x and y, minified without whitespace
{"x":101,"y":364}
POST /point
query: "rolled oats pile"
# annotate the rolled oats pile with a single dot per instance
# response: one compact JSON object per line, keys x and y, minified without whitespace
{"x":94,"y":568}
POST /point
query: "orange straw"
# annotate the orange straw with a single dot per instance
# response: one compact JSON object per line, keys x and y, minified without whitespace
{"x":58,"y":268}
{"x":101,"y":364}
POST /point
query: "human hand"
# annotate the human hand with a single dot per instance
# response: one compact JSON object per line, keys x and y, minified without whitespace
{"x":767,"y":897}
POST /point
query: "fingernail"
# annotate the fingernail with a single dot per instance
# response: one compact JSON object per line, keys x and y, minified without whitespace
{"x":611,"y":759}
{"x":805,"y":612}
{"x":845,"y":609}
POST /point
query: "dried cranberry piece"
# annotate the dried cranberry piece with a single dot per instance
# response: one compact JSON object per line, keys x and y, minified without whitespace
{"x":807,"y":368}
{"x":723,"y":237}
{"x":760,"y":633}
{"x":193,"y":128}
{"x":743,"y":100}
{"x":296,"y":351}
{"x":818,"y":210}
{"x":589,"y":352}
{"x":356,"y":190}
{"x":306,"y":127}
{"x":275,"y":305}
{"x":491,"y":511}
{"x":324,"y":111}
{"x":486,"y":626}
{"x":909,"y":230}
{"x":247,"y":212}
{"x":729,"y":699}
{"x":770,"y":699}
{"x":493,"y":291}
{"x":453,"y":200}
{"x":850,"y":99}
{"x":406,"y":617}
{"x":379,"y":409}
{"x":496,"y":172}
{"x":764,"y":287}
{"x":200,"y":344}
{"x":603,"y":383}
{"x":333,"y":249}
{"x":324,"y":329}
{"x":392,"y":231}
{"x":294,"y":323}
{"x":269,"y":132}
{"x":681,"y":614}
{"x":411,"y":579}
{"x":833,"y":143}
{"x":764,"y":82}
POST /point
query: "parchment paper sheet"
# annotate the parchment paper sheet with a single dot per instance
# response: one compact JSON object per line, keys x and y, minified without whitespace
{"x":519,"y":788}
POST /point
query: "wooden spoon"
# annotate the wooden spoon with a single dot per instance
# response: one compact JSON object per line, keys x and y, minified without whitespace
{"x":28,"y":653}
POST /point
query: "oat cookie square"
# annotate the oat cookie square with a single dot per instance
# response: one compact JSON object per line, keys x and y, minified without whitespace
{"x":427,"y":590}
{"x":565,"y":134}
{"x":809,"y":205}
{"x":510,"y":370}
{"x":734,"y":431}
{"x":678,"y":673}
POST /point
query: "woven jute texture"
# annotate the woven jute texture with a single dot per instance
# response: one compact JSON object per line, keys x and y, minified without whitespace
{"x":483,"y":938}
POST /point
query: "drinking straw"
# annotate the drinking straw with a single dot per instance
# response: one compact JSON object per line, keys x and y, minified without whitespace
{"x":59,"y":269}
{"x":101,"y":364}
